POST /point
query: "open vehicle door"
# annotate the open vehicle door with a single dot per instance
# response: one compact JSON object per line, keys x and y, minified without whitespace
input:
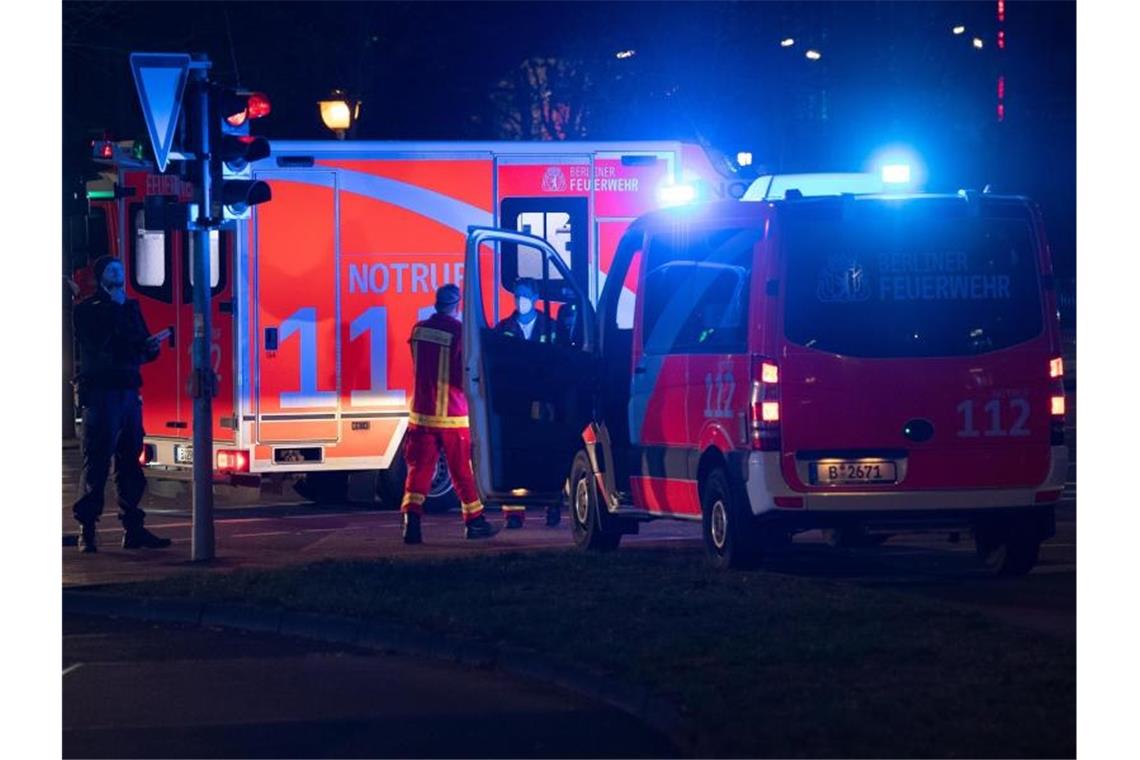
{"x":529,"y":399}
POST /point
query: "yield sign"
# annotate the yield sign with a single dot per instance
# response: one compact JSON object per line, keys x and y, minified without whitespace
{"x":160,"y":79}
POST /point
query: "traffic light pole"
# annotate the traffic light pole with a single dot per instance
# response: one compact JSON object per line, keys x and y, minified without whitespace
{"x":202,"y":380}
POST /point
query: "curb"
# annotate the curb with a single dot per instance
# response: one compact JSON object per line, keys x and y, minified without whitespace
{"x":636,"y":701}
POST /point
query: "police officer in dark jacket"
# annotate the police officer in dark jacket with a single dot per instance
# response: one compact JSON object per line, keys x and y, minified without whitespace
{"x":113,"y":342}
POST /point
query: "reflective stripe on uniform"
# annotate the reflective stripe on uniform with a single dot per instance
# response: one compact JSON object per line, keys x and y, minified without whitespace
{"x":431,"y":335}
{"x":413,"y":498}
{"x":471,"y":507}
{"x":443,"y":383}
{"x":428,"y":420}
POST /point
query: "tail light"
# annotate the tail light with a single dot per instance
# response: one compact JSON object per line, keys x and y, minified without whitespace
{"x":231,"y":460}
{"x":765,"y":405}
{"x":1057,"y":402}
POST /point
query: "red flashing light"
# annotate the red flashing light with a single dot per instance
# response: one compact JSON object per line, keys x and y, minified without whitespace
{"x":1001,"y":40}
{"x":259,"y":105}
{"x":1001,"y":112}
{"x":107,"y":151}
{"x":1001,"y":87}
{"x":1001,"y":10}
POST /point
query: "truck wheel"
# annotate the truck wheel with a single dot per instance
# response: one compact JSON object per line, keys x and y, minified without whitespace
{"x":324,"y":488}
{"x":732,"y":538}
{"x":441,"y":495}
{"x":1007,"y":547}
{"x":592,"y":530}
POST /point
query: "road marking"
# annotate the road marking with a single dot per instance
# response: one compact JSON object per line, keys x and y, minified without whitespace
{"x":73,"y":668}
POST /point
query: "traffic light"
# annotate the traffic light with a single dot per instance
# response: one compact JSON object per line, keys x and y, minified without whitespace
{"x":233,"y":151}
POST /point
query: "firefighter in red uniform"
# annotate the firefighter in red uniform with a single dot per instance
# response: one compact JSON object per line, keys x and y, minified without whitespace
{"x":438,"y":419}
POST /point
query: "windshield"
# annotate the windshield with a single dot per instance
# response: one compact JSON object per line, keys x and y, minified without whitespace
{"x":895,"y":278}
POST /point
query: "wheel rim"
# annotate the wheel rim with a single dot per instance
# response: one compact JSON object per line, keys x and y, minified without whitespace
{"x":440,"y":480}
{"x":582,"y":501}
{"x":718,"y":524}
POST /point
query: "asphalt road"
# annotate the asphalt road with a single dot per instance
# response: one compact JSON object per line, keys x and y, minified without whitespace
{"x":134,"y":689}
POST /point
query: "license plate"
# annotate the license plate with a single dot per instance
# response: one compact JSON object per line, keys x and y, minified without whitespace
{"x":184,"y":454}
{"x":836,"y":471}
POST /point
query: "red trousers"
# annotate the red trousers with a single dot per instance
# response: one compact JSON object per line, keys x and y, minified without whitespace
{"x":421,"y":451}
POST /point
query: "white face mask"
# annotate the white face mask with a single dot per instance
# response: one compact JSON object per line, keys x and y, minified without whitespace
{"x":526,"y":305}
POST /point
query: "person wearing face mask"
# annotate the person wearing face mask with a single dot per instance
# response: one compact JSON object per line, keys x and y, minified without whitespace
{"x":527,"y":322}
{"x":113,"y":342}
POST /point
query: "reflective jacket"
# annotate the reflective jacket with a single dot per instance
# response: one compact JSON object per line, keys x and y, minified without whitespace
{"x":437,"y":354}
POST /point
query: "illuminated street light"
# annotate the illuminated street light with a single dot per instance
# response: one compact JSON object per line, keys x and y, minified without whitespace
{"x":744,"y":158}
{"x":812,"y":55}
{"x":959,"y":30}
{"x":623,"y":54}
{"x":339,"y":113}
{"x":978,"y":43}
{"x":787,"y":42}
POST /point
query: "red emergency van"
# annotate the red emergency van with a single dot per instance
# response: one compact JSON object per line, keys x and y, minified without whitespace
{"x":865,"y":364}
{"x":314,"y":295}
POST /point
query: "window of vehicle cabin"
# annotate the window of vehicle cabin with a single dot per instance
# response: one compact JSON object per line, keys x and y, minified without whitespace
{"x":149,"y":258}
{"x":696,"y":291}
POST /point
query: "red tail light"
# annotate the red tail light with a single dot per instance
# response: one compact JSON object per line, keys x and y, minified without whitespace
{"x":231,"y":460}
{"x":765,"y":405}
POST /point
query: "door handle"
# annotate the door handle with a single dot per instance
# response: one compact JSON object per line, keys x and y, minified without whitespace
{"x":270,"y":338}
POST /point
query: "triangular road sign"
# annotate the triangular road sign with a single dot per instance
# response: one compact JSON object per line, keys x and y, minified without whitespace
{"x":160,"y":79}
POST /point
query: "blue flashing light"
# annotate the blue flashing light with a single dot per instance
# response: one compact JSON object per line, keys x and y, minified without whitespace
{"x":896,"y":174}
{"x":676,"y":195}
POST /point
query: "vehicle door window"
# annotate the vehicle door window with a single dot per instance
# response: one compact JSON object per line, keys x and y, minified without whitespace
{"x":696,"y":291}
{"x":218,"y":242}
{"x":561,"y":222}
{"x":149,"y":258}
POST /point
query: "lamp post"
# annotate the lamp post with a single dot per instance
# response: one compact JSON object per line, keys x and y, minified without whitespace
{"x":339,"y":113}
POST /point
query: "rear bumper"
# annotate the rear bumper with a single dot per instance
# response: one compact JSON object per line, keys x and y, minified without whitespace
{"x":766,"y":484}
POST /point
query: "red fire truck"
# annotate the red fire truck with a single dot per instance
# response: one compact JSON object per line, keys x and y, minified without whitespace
{"x":313,"y":296}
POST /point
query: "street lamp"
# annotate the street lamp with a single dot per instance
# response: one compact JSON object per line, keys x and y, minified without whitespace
{"x":812,"y":55}
{"x":339,"y":113}
{"x":787,"y":42}
{"x":959,"y":30}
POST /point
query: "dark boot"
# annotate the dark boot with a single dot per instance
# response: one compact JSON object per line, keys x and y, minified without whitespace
{"x":514,"y":522}
{"x":138,"y":537}
{"x":87,"y":540}
{"x":479,"y":528}
{"x":412,"y":533}
{"x":553,"y":516}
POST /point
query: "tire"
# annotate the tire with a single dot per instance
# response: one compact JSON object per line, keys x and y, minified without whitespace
{"x":732,"y":538}
{"x":1007,"y":548}
{"x":324,"y":488}
{"x":593,"y":531}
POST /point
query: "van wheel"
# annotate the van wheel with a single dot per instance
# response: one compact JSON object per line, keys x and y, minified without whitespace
{"x":732,"y":538}
{"x":592,"y":530}
{"x":1007,"y":547}
{"x":324,"y":488}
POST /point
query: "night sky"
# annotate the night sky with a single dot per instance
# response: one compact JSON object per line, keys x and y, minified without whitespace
{"x":889,"y":73}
